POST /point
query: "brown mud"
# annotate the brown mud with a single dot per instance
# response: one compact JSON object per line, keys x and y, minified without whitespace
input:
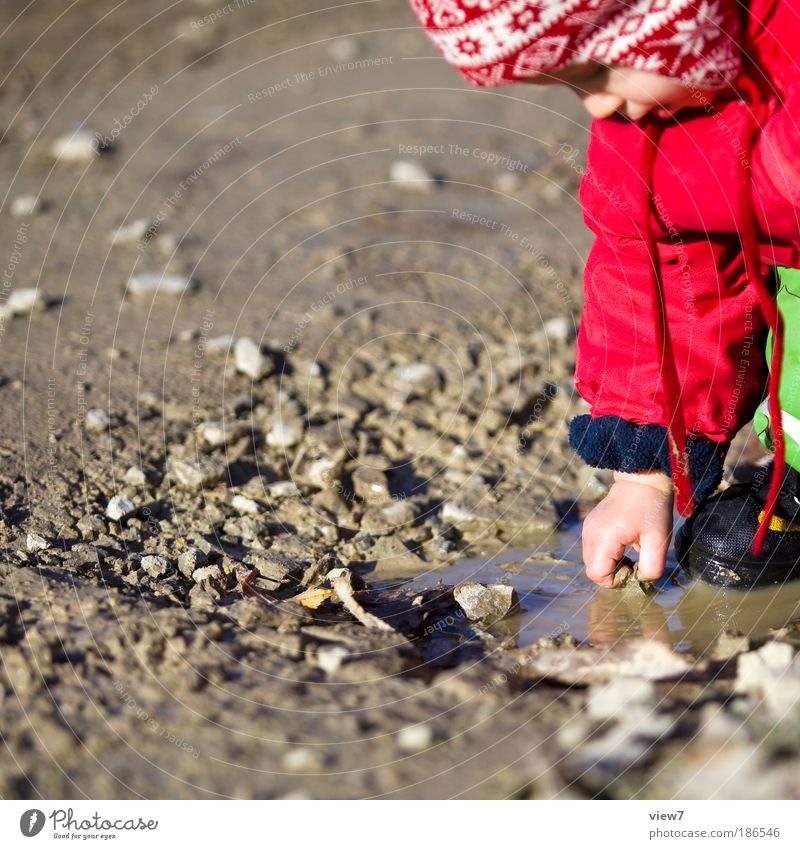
{"x":168,"y":487}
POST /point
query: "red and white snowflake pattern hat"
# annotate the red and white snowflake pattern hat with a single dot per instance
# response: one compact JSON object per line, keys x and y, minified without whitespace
{"x":494,"y":42}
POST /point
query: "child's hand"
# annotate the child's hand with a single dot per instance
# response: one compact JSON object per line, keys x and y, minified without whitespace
{"x":637,"y":512}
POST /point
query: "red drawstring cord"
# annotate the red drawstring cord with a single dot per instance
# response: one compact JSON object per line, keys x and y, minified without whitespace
{"x":769,"y":308}
{"x":676,"y":429}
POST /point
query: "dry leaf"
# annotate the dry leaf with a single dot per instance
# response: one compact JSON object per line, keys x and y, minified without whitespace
{"x":313,"y":598}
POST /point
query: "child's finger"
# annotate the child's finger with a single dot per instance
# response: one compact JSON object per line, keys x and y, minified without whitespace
{"x":601,"y":561}
{"x":653,"y":549}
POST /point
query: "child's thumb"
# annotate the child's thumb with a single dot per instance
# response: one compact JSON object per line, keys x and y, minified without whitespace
{"x":653,"y":550}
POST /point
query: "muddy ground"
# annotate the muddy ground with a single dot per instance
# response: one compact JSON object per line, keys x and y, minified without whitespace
{"x":368,"y":369}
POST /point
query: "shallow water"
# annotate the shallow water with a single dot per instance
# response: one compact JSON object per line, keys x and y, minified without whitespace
{"x":557,"y":598}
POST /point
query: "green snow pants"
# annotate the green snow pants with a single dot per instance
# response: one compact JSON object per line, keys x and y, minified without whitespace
{"x":788,"y":299}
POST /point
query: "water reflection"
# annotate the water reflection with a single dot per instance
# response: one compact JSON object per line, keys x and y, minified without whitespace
{"x":557,"y":598}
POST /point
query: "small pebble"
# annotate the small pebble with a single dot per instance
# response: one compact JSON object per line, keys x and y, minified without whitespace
{"x":343,"y":49}
{"x":415,"y":738}
{"x":212,"y":433}
{"x":300,"y":760}
{"x":283,"y":489}
{"x":132,"y":232}
{"x":35,"y":542}
{"x":283,"y":435}
{"x":191,"y":560}
{"x":250,"y":360}
{"x":418,"y":379}
{"x":22,"y":302}
{"x":196,"y":474}
{"x":244,"y":504}
{"x":24,"y":206}
{"x":134,"y":476}
{"x":120,"y":508}
{"x":411,"y":175}
{"x":97,"y":419}
{"x":150,"y":283}
{"x":486,"y":603}
{"x":331,"y":657}
{"x":204,"y":573}
{"x":78,"y":147}
{"x":154,"y":565}
{"x":508,"y":183}
{"x":559,"y":329}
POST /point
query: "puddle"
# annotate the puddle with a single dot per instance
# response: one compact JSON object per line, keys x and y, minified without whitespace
{"x":557,"y":598}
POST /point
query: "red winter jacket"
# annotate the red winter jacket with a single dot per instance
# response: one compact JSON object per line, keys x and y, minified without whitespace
{"x":670,"y":350}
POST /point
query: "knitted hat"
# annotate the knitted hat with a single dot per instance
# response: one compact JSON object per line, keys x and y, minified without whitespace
{"x":494,"y":42}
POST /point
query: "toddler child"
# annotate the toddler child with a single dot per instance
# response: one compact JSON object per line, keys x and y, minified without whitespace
{"x":692,"y":190}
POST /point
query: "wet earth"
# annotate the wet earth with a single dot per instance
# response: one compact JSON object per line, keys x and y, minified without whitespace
{"x":294,"y":379}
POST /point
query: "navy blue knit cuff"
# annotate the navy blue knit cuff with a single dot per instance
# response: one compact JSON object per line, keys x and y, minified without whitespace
{"x":610,"y":442}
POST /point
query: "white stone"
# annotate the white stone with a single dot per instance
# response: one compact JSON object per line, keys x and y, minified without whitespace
{"x":322,"y":472}
{"x":244,"y":504}
{"x":79,"y":147}
{"x":559,"y":329}
{"x":154,"y":565}
{"x":415,"y":738}
{"x":35,"y":542}
{"x":411,"y":175}
{"x":486,"y":603}
{"x":283,"y":489}
{"x":205,"y":573}
{"x":508,"y":183}
{"x":151,"y":283}
{"x":97,"y":419}
{"x":331,"y":657}
{"x":119,"y":508}
{"x":25,"y":205}
{"x":196,"y":474}
{"x":131,"y":233}
{"x":250,"y":360}
{"x":212,"y":433}
{"x":456,"y":514}
{"x":134,"y":476}
{"x":300,"y":759}
{"x":21,"y":302}
{"x":283,"y":435}
{"x":343,"y":49}
{"x":419,"y":378}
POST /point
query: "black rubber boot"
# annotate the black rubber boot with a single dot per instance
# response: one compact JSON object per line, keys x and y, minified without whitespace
{"x":715,"y":545}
